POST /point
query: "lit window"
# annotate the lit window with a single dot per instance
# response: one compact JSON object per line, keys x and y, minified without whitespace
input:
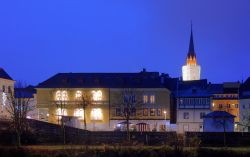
{"x":96,"y":114}
{"x":152,"y":99}
{"x":152,"y":112}
{"x":145,"y":112}
{"x":97,"y":95}
{"x":78,"y":94}
{"x":58,"y":95}
{"x":145,"y":99}
{"x":79,"y":113}
{"x":62,"y":95}
{"x":4,"y":98}
{"x":61,"y":112}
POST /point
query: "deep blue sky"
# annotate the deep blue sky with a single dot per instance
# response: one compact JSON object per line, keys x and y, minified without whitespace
{"x":39,"y":38}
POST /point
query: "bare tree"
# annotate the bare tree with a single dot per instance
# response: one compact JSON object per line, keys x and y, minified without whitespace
{"x":18,"y":107}
{"x":84,"y":101}
{"x":245,"y":120}
{"x":61,"y":101}
{"x":129,"y":104}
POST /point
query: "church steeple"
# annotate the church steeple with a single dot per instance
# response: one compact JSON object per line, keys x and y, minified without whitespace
{"x":191,"y":70}
{"x":191,"y":56}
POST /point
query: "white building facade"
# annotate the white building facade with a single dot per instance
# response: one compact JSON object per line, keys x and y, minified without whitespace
{"x":6,"y":86}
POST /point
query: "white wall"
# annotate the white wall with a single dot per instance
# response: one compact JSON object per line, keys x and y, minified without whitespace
{"x":244,"y":114}
{"x":194,"y":121}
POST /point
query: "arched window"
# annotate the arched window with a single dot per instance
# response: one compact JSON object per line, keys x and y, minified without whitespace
{"x":96,"y":114}
{"x":58,"y":95}
{"x":62,"y":95}
{"x":61,"y":112}
{"x":4,"y":98}
{"x":79,"y":113}
{"x":78,"y":94}
{"x":97,"y":95}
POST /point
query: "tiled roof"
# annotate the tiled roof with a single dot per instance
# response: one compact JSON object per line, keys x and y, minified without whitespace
{"x":103,"y":80}
{"x":4,"y":75}
{"x":27,"y":92}
{"x":215,"y":88}
{"x":197,"y":88}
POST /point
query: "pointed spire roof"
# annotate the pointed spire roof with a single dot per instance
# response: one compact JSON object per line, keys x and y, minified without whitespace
{"x":4,"y":74}
{"x":191,"y":52}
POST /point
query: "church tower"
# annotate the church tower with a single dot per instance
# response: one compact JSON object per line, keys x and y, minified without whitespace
{"x":191,"y":70}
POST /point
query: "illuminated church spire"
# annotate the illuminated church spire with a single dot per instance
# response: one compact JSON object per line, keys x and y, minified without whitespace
{"x":191,"y":71}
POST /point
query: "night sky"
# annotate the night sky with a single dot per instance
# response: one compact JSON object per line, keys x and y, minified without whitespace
{"x":39,"y":38}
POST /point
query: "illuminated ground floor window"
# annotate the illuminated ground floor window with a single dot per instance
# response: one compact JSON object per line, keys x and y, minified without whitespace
{"x":61,"y":112}
{"x":79,"y":113}
{"x":96,"y":114}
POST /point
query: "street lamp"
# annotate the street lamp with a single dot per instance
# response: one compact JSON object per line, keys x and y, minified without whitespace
{"x":165,"y":115}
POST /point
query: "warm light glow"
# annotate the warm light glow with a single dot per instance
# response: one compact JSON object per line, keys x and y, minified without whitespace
{"x":152,"y":99}
{"x":165,"y":112}
{"x":191,"y":72}
{"x":79,"y":113}
{"x":61,"y":112}
{"x":62,"y":95}
{"x":28,"y":117}
{"x":78,"y":94}
{"x":145,"y":99}
{"x":4,"y":98}
{"x":97,"y":95}
{"x":213,"y":104}
{"x":96,"y":114}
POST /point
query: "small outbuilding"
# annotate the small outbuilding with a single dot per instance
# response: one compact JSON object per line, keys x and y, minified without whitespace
{"x":218,"y":121}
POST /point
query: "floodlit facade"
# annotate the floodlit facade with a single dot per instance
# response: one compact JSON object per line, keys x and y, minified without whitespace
{"x":6,"y":86}
{"x":191,"y":70}
{"x":226,"y":98}
{"x":104,"y":106}
{"x":151,"y":111}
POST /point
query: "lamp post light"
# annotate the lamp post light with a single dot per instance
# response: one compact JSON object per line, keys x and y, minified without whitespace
{"x":165,"y":115}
